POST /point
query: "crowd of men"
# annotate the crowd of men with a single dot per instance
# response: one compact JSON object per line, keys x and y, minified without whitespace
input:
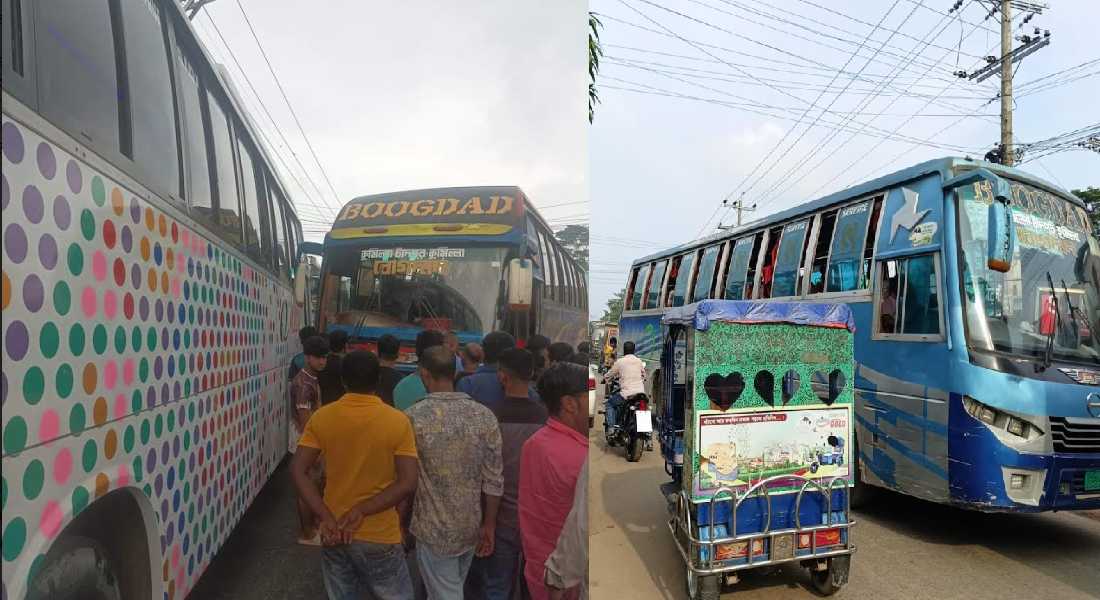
{"x":475,"y":463}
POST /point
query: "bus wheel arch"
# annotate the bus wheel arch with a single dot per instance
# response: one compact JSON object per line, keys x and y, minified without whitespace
{"x":111,"y":547}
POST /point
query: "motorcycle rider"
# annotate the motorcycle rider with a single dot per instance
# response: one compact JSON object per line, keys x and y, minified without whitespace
{"x":630,"y":371}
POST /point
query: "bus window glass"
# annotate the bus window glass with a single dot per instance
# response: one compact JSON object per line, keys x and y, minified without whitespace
{"x":197,"y":188}
{"x":653,"y":296}
{"x":154,"y":135}
{"x":738,"y":269}
{"x":638,"y":290}
{"x":228,"y":217}
{"x":846,"y":260}
{"x":679,"y":293}
{"x":788,"y":261}
{"x":251,"y":218}
{"x":279,"y":250}
{"x":869,"y":243}
{"x":820,"y":257}
{"x":909,"y":296}
{"x":767,"y":270}
{"x":416,"y":288}
{"x":1014,"y":312}
{"x":704,"y":280}
{"x":77,"y":78}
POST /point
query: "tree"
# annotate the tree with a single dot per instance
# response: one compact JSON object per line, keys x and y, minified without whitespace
{"x":1091,"y":196}
{"x":575,"y":240}
{"x":595,"y":52}
{"x":614,"y":307}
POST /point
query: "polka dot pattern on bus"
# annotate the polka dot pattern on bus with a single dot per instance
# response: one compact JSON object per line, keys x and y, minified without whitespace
{"x":139,"y":355}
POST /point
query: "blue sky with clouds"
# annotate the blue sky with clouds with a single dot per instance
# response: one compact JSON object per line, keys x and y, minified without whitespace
{"x":697,"y":93}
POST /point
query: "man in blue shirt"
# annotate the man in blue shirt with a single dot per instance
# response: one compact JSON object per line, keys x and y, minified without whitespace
{"x":411,"y":390}
{"x":484,"y":385}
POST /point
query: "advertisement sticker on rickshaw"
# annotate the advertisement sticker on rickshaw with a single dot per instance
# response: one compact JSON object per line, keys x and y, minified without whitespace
{"x":738,"y":450}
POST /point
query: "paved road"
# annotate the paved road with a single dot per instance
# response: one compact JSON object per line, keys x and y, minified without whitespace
{"x":907,"y":549}
{"x":261,"y":560}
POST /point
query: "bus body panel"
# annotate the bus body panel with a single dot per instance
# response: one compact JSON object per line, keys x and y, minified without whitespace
{"x":140,"y":354}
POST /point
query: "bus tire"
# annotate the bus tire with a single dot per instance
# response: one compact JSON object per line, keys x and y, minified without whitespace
{"x":102,"y":555}
{"x":77,"y":568}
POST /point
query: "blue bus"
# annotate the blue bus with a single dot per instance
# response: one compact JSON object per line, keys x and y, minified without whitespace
{"x":976,"y":386}
{"x":466,"y":259}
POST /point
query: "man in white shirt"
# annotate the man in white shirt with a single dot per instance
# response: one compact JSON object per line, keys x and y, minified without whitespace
{"x":630,"y":371}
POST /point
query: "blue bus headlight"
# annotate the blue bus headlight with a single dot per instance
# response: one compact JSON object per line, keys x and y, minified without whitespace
{"x":1001,"y":420}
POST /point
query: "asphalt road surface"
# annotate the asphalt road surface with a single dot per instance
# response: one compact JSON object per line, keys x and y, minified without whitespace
{"x":907,"y":549}
{"x":261,"y":560}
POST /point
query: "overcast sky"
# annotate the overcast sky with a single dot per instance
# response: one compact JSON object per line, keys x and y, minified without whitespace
{"x":661,"y":165}
{"x":405,"y":95}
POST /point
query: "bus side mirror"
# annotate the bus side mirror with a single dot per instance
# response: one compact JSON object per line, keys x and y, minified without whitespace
{"x":520,"y":277}
{"x":1001,"y":236}
{"x":301,"y":277}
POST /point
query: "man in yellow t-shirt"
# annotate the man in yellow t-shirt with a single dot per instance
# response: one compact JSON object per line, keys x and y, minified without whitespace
{"x":369,"y":450}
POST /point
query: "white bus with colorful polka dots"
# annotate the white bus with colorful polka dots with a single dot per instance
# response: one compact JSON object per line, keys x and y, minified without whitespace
{"x":148,"y":302}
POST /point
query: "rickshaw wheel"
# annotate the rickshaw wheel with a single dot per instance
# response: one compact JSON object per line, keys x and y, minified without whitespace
{"x":634,"y":449}
{"x":707,"y":587}
{"x":824,"y":582}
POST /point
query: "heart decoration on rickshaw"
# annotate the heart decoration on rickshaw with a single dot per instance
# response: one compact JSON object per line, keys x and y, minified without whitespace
{"x":723,"y":391}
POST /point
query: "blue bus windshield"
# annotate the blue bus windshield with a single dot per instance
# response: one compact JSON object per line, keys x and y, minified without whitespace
{"x":1012,"y":312}
{"x":374,"y":287}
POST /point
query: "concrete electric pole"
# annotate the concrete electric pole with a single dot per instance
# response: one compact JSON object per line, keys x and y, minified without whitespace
{"x":1006,"y":84}
{"x":1006,"y":152}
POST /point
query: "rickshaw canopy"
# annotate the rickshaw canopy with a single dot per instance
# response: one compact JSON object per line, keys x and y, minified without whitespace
{"x":818,"y":314}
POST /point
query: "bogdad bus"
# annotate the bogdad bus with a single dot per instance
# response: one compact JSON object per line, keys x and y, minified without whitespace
{"x":467,"y":259}
{"x":149,"y":311}
{"x":974,"y":291}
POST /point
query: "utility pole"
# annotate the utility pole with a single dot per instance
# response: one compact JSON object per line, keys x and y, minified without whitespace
{"x":1006,"y":153}
{"x":1006,"y":84}
{"x":740,"y":206}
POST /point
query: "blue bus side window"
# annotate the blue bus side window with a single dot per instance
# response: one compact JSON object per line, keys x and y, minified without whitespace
{"x":909,"y":300}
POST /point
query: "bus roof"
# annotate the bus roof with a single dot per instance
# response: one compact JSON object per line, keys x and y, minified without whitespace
{"x":944,"y":166}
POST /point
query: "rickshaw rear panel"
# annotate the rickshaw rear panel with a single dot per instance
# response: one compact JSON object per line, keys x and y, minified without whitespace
{"x":756,"y":428}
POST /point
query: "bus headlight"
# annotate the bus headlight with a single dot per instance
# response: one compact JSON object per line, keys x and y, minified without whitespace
{"x":1000,"y":419}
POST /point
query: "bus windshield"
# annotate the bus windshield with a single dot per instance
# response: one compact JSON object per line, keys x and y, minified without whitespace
{"x":379,"y":289}
{"x":1012,"y":312}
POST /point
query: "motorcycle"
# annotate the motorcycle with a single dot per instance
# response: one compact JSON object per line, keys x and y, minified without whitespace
{"x":627,"y":422}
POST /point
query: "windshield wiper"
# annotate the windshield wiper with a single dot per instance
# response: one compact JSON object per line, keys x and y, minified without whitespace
{"x":1057,"y":324}
{"x":1072,"y":310}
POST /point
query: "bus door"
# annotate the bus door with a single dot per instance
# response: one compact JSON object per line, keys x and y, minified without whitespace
{"x":670,"y":393}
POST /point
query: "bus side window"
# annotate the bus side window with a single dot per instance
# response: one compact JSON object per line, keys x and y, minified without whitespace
{"x":767,"y":271}
{"x":196,"y":184}
{"x":683,"y":277}
{"x":908,"y":297}
{"x":869,"y":244}
{"x":653,"y":295}
{"x":704,"y":279}
{"x":673,"y":275}
{"x":280,"y":257}
{"x":251,"y":218}
{"x":227,"y":215}
{"x":821,"y":252}
{"x":153,"y":146}
{"x":631,"y":298}
{"x":18,"y":64}
{"x":641,"y":276}
{"x":77,"y":70}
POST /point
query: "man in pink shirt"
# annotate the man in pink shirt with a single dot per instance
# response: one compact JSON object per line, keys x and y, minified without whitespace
{"x":550,"y":465}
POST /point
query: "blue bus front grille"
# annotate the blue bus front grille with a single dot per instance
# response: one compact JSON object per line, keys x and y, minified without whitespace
{"x":1074,"y":437}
